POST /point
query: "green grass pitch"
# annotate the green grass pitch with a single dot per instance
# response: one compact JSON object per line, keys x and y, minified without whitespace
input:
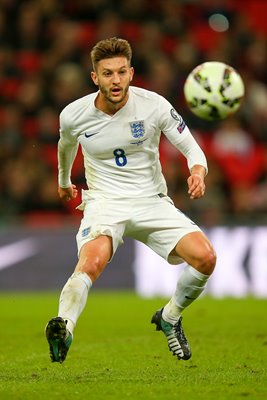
{"x":117,"y":354}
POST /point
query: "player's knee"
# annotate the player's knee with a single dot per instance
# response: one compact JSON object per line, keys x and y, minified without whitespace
{"x":206,"y":262}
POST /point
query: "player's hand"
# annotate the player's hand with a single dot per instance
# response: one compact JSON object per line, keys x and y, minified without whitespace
{"x":196,"y":186}
{"x":68,"y":193}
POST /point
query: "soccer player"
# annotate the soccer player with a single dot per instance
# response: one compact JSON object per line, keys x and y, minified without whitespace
{"x":119,"y":129}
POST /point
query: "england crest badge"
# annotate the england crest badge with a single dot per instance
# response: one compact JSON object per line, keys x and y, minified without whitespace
{"x":137,"y":128}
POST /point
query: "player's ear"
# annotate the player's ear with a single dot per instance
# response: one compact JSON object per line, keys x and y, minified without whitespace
{"x":94,"y":78}
{"x":131,"y":73}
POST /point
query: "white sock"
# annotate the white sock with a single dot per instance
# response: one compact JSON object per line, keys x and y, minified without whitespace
{"x":189,"y":287}
{"x":73,"y":298}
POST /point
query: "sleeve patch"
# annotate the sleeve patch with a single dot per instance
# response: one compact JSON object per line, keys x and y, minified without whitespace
{"x":181,"y":124}
{"x":176,"y":116}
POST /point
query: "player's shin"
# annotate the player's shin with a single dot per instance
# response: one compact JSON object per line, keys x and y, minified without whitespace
{"x":73,"y":298}
{"x":189,"y":287}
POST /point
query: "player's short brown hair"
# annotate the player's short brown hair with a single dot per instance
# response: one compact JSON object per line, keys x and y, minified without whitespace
{"x":109,"y":48}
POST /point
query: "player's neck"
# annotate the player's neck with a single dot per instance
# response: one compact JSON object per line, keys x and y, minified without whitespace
{"x":107,"y":106}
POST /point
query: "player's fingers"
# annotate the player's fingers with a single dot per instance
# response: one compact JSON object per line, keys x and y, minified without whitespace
{"x":196,"y":187}
{"x":197,"y":193}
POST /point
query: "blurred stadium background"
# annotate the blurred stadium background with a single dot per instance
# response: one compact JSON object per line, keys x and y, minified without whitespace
{"x":44,"y":65}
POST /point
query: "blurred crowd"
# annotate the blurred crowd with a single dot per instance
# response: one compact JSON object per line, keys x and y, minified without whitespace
{"x":45,"y":64}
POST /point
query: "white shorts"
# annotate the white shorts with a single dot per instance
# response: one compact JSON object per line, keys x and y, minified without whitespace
{"x":155,"y":221}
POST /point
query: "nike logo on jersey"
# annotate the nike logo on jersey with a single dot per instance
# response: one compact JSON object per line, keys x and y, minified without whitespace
{"x":87,"y":135}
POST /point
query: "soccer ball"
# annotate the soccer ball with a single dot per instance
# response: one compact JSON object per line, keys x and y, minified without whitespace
{"x":214,"y":90}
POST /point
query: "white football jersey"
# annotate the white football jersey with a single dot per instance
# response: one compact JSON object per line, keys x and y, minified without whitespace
{"x":121,"y":152}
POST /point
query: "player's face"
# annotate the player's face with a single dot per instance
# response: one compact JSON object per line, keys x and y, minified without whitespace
{"x":113,"y":77}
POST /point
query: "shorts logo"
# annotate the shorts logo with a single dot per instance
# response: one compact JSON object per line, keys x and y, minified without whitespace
{"x":137,"y":128}
{"x":85,"y":232}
